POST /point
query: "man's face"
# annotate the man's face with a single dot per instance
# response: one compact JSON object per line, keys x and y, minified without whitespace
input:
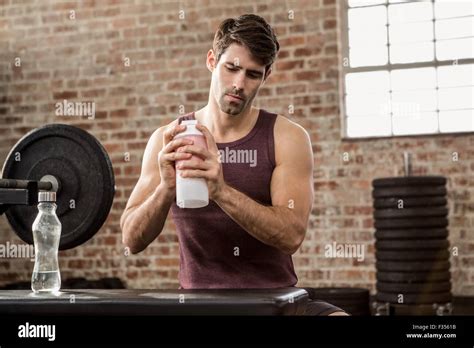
{"x":236,"y":78}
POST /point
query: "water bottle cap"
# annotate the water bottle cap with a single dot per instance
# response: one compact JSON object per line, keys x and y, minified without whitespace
{"x":46,"y":196}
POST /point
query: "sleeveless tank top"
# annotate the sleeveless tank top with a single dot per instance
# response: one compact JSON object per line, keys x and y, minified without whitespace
{"x":215,"y":252}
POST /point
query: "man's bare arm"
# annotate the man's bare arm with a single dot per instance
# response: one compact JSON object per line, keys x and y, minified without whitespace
{"x":282,"y":225}
{"x":150,"y":201}
{"x":143,"y":223}
{"x":272,"y":225}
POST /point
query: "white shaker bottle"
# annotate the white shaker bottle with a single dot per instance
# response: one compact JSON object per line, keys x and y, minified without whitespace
{"x":191,"y":192}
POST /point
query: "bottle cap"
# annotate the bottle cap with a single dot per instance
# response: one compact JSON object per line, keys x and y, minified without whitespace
{"x":189,"y":122}
{"x":46,"y":196}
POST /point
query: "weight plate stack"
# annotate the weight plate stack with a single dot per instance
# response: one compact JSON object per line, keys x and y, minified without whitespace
{"x":355,"y":301}
{"x":411,"y":233}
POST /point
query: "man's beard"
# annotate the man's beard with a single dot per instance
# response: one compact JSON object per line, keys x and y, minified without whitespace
{"x":232,"y":107}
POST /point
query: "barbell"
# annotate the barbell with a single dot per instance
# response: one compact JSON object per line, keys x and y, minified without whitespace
{"x":65,"y":159}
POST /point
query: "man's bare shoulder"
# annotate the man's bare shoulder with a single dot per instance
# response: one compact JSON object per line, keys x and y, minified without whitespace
{"x":158,"y":133}
{"x":154,"y":146}
{"x":287,"y":130}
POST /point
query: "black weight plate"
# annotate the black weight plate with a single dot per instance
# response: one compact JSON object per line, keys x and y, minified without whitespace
{"x":408,"y":191}
{"x":409,"y":180}
{"x":84,"y":171}
{"x":411,"y":233}
{"x":441,"y":297}
{"x":413,"y":277}
{"x":398,"y":288}
{"x":401,"y":255}
{"x":338,"y":293}
{"x":411,"y":223}
{"x":412,"y":266}
{"x":410,"y":212}
{"x":409,"y":202}
{"x":417,"y":244}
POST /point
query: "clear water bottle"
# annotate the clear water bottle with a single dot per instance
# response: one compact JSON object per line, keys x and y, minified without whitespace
{"x":46,"y":235}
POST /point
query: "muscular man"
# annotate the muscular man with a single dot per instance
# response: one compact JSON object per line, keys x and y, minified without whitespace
{"x":259,"y":205}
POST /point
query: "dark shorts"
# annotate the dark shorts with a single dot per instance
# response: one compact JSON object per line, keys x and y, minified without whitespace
{"x":318,"y":307}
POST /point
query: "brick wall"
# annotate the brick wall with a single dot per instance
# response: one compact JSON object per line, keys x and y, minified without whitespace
{"x":139,"y":61}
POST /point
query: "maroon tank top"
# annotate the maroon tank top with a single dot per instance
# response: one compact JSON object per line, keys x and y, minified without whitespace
{"x":215,"y":252}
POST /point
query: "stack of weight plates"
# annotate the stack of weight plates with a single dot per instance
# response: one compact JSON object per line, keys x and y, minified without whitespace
{"x":354,"y":301}
{"x":412,"y":258}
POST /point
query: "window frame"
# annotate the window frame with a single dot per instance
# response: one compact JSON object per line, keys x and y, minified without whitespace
{"x":345,"y":69}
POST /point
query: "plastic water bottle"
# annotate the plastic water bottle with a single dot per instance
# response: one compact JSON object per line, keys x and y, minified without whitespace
{"x":191,"y":192}
{"x":46,"y":235}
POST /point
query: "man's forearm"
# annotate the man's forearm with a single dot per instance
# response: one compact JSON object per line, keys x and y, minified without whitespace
{"x":275,"y":226}
{"x":144,"y":223}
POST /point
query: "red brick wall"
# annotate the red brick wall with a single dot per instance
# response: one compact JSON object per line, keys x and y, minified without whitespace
{"x":82,"y":59}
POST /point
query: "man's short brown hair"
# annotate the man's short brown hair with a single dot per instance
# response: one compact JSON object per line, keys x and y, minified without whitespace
{"x":251,"y":31}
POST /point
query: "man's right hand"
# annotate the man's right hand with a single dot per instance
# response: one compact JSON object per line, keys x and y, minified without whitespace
{"x":168,"y":156}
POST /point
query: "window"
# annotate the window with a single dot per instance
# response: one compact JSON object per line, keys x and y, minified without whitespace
{"x":408,"y":67}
